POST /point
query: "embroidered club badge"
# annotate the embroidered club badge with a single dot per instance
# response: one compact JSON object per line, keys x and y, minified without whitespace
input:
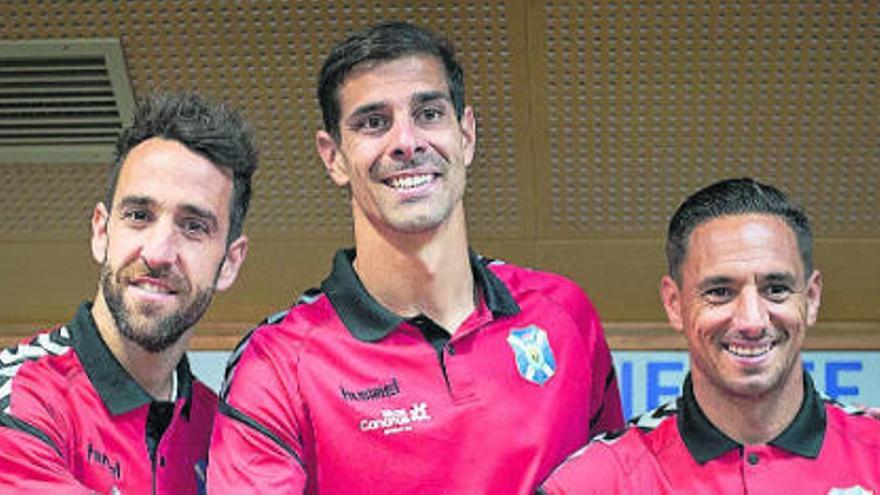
{"x":534,"y":357}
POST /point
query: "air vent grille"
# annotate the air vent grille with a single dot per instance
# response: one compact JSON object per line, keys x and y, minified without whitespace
{"x":62,"y":101}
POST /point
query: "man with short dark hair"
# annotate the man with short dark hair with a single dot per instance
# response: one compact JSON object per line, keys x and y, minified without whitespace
{"x":107,"y":402}
{"x":418,"y":366}
{"x":742,"y":289}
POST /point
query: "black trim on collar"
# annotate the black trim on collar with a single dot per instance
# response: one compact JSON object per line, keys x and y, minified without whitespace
{"x":705,"y":442}
{"x":369,"y":321}
{"x":702,"y":439}
{"x":119,"y":392}
{"x":804,"y":436}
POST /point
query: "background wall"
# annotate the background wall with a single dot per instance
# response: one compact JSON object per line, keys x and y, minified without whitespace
{"x":595,"y":120}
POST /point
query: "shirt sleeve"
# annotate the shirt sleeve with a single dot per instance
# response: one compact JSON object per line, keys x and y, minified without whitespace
{"x":607,"y":411}
{"x":30,"y":462}
{"x":256,"y":444}
{"x":594,"y":470}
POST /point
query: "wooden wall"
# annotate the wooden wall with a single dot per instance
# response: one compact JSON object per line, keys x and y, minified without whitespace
{"x":595,"y":120}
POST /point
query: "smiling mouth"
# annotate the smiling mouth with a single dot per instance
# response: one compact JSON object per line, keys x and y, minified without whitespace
{"x":153,"y":288}
{"x":750,"y":351}
{"x":409,"y":181}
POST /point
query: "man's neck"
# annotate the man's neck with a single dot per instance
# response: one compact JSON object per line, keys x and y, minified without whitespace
{"x":152,"y":371}
{"x":427,"y":273}
{"x":752,"y":420}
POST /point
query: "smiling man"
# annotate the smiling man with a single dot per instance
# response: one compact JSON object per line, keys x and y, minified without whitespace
{"x":107,"y":402}
{"x":418,"y":366}
{"x":742,"y":290}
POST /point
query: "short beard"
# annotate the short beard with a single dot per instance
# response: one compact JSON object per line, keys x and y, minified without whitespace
{"x":157,"y":334}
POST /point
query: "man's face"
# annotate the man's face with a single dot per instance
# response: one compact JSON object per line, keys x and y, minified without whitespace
{"x":162,"y":248}
{"x":402,"y":150}
{"x":744,"y":305}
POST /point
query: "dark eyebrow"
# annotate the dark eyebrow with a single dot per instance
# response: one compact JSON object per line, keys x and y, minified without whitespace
{"x":429,"y":96}
{"x":779,"y":277}
{"x":136,"y":201}
{"x":714,"y":282}
{"x":206,"y":215}
{"x":366,"y":109}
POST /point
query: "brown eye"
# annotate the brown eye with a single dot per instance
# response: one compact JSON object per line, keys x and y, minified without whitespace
{"x":372,"y":123}
{"x":718,"y":295}
{"x":430,"y":114}
{"x":136,"y":216}
{"x":195,"y":227}
{"x":777,"y":292}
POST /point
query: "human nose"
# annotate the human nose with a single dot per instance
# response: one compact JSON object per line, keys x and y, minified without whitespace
{"x":408,"y":141}
{"x":159,"y":247}
{"x":750,"y":313}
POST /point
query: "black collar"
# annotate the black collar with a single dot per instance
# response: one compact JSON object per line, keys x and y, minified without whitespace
{"x":802,"y":437}
{"x":119,"y":392}
{"x":369,"y":321}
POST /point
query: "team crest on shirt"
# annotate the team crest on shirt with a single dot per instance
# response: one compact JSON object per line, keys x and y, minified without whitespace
{"x":534,"y":357}
{"x":855,"y":490}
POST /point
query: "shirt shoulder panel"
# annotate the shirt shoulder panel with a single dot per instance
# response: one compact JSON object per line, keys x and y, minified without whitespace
{"x":285,"y":331}
{"x":34,"y":375}
{"x":553,"y":289}
{"x":853,"y":423}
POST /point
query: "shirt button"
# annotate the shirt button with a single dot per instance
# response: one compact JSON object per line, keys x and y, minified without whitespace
{"x":162,"y":461}
{"x":451,"y":349}
{"x":752,"y":458}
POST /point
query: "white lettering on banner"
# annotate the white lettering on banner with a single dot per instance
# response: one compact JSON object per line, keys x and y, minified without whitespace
{"x":648,"y":379}
{"x":397,"y":420}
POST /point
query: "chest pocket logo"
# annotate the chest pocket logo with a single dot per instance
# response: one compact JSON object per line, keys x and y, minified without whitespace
{"x":534,"y":357}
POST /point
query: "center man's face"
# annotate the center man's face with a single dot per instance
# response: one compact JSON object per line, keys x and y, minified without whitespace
{"x":743,"y":304}
{"x":163,"y":248}
{"x":402,"y":151}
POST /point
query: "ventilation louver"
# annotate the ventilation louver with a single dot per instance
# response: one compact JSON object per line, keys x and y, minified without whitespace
{"x":62,"y":101}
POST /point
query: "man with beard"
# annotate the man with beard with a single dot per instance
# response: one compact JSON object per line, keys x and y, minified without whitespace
{"x":107,"y":402}
{"x":742,"y":290}
{"x":418,"y":366}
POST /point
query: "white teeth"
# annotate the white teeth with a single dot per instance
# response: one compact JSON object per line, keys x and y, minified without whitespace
{"x":750,"y":351}
{"x":410,"y":181}
{"x":155,"y":289}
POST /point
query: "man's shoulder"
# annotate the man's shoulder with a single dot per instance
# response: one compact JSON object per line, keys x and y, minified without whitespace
{"x":50,"y":350}
{"x":522,"y":280}
{"x":289,"y":329}
{"x":611,"y":461}
{"x":853,"y":424}
{"x":41,"y":379}
{"x":651,"y":430}
{"x":310,"y":311}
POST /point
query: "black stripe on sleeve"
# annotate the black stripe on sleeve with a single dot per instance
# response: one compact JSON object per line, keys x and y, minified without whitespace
{"x":9,"y":421}
{"x":608,"y":381}
{"x":237,"y":415}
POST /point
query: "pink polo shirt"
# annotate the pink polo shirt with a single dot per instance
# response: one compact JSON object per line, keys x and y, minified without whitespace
{"x":73,"y":421}
{"x":827,"y":449}
{"x":339,"y":395}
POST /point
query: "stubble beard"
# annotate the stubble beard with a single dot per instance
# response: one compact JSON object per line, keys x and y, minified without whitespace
{"x":151,"y":333}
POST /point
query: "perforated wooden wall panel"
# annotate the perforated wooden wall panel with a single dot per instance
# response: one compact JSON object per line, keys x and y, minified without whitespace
{"x":648,"y":101}
{"x":264,"y":58}
{"x":595,"y":120}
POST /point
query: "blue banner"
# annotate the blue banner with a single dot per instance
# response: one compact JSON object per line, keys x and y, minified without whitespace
{"x":648,"y":379}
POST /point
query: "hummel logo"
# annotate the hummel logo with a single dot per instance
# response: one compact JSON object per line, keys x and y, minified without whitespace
{"x":102,"y":459}
{"x":397,"y":420}
{"x":390,"y":389}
